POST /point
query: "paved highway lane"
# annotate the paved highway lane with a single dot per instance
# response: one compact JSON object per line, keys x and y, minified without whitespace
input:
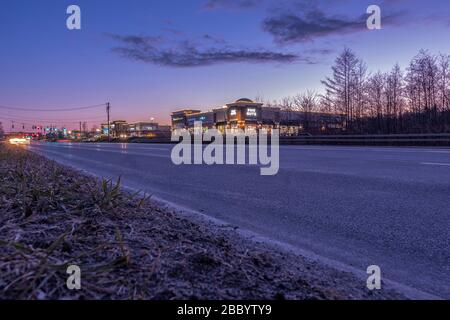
{"x":355,"y":205}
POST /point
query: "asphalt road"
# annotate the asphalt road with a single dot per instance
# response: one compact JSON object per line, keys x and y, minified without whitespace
{"x":355,"y":205}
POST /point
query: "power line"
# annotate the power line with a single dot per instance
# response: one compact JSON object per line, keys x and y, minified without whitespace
{"x":18,"y":118}
{"x":48,"y":121}
{"x":53,"y":109}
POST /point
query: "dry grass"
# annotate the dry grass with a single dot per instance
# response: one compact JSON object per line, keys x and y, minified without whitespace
{"x":129,"y":248}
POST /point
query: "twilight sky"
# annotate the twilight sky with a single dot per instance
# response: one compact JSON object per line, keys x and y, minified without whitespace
{"x":149,"y":58}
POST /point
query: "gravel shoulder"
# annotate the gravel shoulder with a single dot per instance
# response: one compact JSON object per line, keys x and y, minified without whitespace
{"x":128,"y":246}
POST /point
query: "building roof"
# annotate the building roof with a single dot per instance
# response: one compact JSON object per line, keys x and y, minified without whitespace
{"x":186,"y":111}
{"x":244,"y":100}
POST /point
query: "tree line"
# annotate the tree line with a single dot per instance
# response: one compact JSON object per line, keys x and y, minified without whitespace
{"x":415,"y":100}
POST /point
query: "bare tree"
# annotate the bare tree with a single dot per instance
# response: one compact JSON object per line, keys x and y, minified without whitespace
{"x":375,"y":94}
{"x":341,"y":85}
{"x":326,"y":104}
{"x":307,"y":103}
{"x":259,"y":98}
{"x":359,"y":93}
{"x":287,"y":103}
{"x":394,"y":98}
{"x":422,"y":80}
{"x":444,"y":81}
{"x":422,"y":76}
{"x":375,"y":89}
{"x":398,"y":101}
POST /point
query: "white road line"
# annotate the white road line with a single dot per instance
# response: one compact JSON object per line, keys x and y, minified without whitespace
{"x":364,"y":148}
{"x":435,"y":164}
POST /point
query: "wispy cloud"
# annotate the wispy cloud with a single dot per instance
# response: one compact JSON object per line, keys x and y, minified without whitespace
{"x":440,"y":18}
{"x":312,"y":23}
{"x":231,"y":4}
{"x":213,"y":39}
{"x":158,"y":51}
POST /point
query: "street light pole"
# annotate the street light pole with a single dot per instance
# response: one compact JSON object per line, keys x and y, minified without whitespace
{"x":108,"y":107}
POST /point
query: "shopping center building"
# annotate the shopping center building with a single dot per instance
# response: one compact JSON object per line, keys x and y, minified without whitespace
{"x":251,"y":116}
{"x":121,"y":129}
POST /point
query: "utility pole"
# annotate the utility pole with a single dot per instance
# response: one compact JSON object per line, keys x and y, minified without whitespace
{"x":108,"y":107}
{"x":80,"y":130}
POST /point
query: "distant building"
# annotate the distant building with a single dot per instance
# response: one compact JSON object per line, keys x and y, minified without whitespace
{"x":120,"y":129}
{"x":179,"y":118}
{"x":104,"y":129}
{"x":142,"y":129}
{"x":164,"y":131}
{"x":207,"y":119}
{"x":148,"y":130}
{"x":251,"y":116}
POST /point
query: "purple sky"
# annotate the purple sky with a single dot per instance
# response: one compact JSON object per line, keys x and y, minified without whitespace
{"x":149,"y":58}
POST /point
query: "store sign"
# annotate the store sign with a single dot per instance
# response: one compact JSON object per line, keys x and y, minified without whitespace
{"x":251,"y":112}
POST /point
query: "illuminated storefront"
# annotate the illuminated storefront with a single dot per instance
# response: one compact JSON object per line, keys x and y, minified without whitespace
{"x":142,"y":129}
{"x":179,"y":118}
{"x":206,"y":118}
{"x":244,"y":114}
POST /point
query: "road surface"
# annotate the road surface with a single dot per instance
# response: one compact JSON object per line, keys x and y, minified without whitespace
{"x":356,"y":205}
